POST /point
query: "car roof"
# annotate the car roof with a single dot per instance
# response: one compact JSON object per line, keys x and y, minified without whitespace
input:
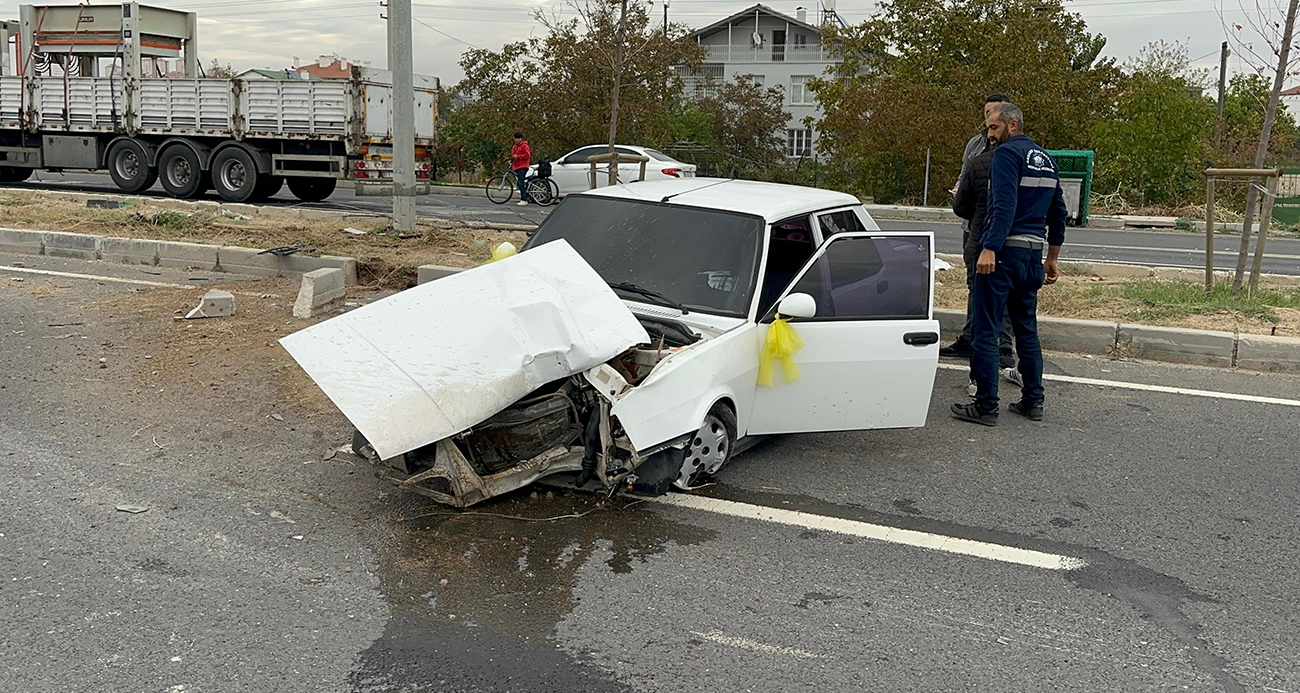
{"x":772,"y":201}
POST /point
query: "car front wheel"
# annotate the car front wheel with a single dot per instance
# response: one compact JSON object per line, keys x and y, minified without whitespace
{"x":709,"y":449}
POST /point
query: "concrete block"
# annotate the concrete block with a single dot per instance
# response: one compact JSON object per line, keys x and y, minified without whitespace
{"x":321,"y":290}
{"x":1176,"y":345}
{"x":247,"y":261}
{"x":428,"y":273}
{"x":214,"y":304}
{"x":130,"y":251}
{"x":173,"y":254}
{"x":21,"y":241}
{"x":1110,"y":271}
{"x":73,"y":245}
{"x":1137,"y":221}
{"x":1110,"y":223}
{"x":1077,"y":336}
{"x":302,"y":264}
{"x":1261,"y":352}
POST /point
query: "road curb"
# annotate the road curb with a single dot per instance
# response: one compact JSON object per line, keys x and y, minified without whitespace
{"x":152,"y":253}
{"x":1251,"y":352}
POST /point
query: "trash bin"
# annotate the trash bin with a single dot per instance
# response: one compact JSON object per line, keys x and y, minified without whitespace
{"x":1075,"y":167}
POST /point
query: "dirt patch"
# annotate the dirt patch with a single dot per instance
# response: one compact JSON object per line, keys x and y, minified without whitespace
{"x":384,"y":259}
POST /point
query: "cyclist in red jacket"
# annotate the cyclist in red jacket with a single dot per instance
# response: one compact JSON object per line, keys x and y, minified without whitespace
{"x":521,"y":157}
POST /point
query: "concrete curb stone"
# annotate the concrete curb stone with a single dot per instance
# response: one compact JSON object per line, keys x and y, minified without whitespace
{"x":22,"y":241}
{"x":427,"y":273}
{"x":302,"y":264}
{"x":130,"y":251}
{"x":1259,"y":352}
{"x":71,"y":245}
{"x":321,"y":289}
{"x":1175,"y":345}
{"x":179,"y":254}
{"x":1081,"y":336}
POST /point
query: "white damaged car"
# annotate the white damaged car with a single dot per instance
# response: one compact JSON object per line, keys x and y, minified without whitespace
{"x":623,"y":344}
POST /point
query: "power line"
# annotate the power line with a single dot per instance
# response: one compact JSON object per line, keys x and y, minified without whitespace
{"x":440,"y":31}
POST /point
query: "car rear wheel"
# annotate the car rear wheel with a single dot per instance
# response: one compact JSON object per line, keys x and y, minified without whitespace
{"x":235,"y":175}
{"x":182,"y":176}
{"x":128,"y":166}
{"x":709,"y":449}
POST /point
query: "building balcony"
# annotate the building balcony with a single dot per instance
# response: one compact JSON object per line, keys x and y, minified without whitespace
{"x":781,"y":53}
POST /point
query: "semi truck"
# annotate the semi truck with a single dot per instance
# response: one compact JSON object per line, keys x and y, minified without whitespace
{"x":87,"y":88}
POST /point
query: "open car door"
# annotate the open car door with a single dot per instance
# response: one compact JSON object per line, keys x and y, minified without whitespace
{"x":871,"y":351}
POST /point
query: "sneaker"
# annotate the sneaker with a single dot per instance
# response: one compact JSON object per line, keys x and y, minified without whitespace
{"x":1033,"y":412}
{"x":523,"y":203}
{"x":1013,"y":375}
{"x":959,"y":349}
{"x":1007,"y":359}
{"x":971,"y":412}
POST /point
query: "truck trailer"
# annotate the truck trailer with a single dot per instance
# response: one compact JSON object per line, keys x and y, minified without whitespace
{"x":85,"y":88}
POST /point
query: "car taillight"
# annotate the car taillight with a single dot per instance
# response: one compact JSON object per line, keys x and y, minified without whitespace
{"x":674,"y":172}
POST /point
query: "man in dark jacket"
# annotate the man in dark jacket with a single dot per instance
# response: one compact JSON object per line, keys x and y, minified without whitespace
{"x":1026,"y":214}
{"x":971,"y":204}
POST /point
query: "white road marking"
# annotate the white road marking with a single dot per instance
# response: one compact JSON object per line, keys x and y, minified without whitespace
{"x":1154,"y":388}
{"x":74,"y":275}
{"x":747,"y":644}
{"x":867,"y":530}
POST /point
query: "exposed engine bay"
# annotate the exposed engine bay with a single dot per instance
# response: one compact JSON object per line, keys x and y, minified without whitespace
{"x":564,"y":426}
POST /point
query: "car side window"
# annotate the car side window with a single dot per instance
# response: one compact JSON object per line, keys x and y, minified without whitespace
{"x":580,"y":156}
{"x":788,"y":251}
{"x":870,"y":278}
{"x":843,"y":221}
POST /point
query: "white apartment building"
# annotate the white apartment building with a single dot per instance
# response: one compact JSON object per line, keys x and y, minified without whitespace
{"x":777,"y":50}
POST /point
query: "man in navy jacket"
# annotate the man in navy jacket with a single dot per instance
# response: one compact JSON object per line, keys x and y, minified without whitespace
{"x":1026,"y":214}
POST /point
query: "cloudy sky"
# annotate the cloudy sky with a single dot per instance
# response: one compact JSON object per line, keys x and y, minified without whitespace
{"x":270,"y":33}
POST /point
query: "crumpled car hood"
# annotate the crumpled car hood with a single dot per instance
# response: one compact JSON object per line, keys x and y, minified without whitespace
{"x":435,"y":360}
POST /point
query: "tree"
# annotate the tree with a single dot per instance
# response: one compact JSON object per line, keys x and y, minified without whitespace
{"x":218,"y":71}
{"x":559,"y":89}
{"x":1156,"y":144}
{"x":1244,"y":104}
{"x":740,"y":124}
{"x":915,"y":76}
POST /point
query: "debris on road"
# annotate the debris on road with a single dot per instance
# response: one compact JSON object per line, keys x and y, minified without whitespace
{"x":235,"y":215}
{"x":354,"y":232}
{"x":277,"y":417}
{"x":941,"y":265}
{"x":103,"y":363}
{"x":321,"y":290}
{"x":215,"y":304}
{"x":285,"y":250}
{"x":133,"y":509}
{"x":105,"y":204}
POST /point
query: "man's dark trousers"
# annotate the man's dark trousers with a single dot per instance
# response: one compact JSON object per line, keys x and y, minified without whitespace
{"x":971,"y":255}
{"x":1012,"y":287}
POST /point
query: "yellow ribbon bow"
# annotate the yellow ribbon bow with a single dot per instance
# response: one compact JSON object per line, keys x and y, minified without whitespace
{"x":781,"y":342}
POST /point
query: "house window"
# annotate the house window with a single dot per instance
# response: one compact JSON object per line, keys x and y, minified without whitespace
{"x":798,"y":142}
{"x":702,"y":83}
{"x":800,"y":95}
{"x":760,"y":80}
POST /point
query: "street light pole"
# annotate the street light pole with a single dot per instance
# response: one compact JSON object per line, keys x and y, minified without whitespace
{"x":399,"y":46}
{"x":665,"y":18}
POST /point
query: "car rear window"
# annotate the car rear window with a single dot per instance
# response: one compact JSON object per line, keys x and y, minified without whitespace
{"x":660,"y":156}
{"x":703,"y":259}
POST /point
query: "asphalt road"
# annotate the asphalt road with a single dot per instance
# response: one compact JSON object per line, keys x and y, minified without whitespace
{"x":264,"y":565}
{"x":1149,"y":248}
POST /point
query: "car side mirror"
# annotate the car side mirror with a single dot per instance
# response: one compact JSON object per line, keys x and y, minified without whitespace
{"x":798,"y":306}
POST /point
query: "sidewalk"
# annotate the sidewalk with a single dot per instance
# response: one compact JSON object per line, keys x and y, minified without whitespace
{"x":1095,"y":221}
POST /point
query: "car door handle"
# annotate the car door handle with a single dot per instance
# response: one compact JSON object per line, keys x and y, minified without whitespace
{"x":920,"y":339}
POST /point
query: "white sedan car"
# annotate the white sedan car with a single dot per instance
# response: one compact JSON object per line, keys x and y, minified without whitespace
{"x":572,"y":171}
{"x":622,"y":345}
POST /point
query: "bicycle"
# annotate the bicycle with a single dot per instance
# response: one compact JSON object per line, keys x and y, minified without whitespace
{"x":542,"y":190}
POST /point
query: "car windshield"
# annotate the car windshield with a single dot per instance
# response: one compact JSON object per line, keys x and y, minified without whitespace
{"x":660,"y":156}
{"x":703,"y":259}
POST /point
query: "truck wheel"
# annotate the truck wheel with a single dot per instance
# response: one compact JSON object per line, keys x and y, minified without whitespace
{"x":235,"y":176}
{"x":709,"y":449}
{"x":180,"y":171}
{"x":312,"y":189}
{"x":11,"y":174}
{"x":267,"y":187}
{"x":128,"y":166}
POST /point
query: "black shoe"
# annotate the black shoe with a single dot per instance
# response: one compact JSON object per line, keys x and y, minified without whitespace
{"x":971,"y":412}
{"x":1033,"y":412}
{"x":959,"y":349}
{"x":1007,"y":359}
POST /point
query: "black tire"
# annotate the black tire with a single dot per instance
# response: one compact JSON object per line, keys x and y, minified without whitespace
{"x":312,"y":189}
{"x":181,"y":174}
{"x":12,"y":174}
{"x":555,"y":191}
{"x":234,"y":175}
{"x":267,"y":187}
{"x":501,"y":189}
{"x":539,"y":191}
{"x":128,"y":166}
{"x":706,"y":455}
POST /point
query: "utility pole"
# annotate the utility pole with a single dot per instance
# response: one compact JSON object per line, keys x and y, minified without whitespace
{"x":1223,"y":87}
{"x":665,"y":18}
{"x":399,"y":46}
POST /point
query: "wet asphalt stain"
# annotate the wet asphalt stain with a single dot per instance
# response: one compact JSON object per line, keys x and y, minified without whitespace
{"x":908,"y":506}
{"x":1158,"y":597}
{"x":1061,"y":522}
{"x":823,"y":599}
{"x":475,"y":595}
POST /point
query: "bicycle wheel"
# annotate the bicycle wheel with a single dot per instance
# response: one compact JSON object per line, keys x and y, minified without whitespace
{"x":539,"y":191}
{"x":500,"y":190}
{"x":555,"y":190}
